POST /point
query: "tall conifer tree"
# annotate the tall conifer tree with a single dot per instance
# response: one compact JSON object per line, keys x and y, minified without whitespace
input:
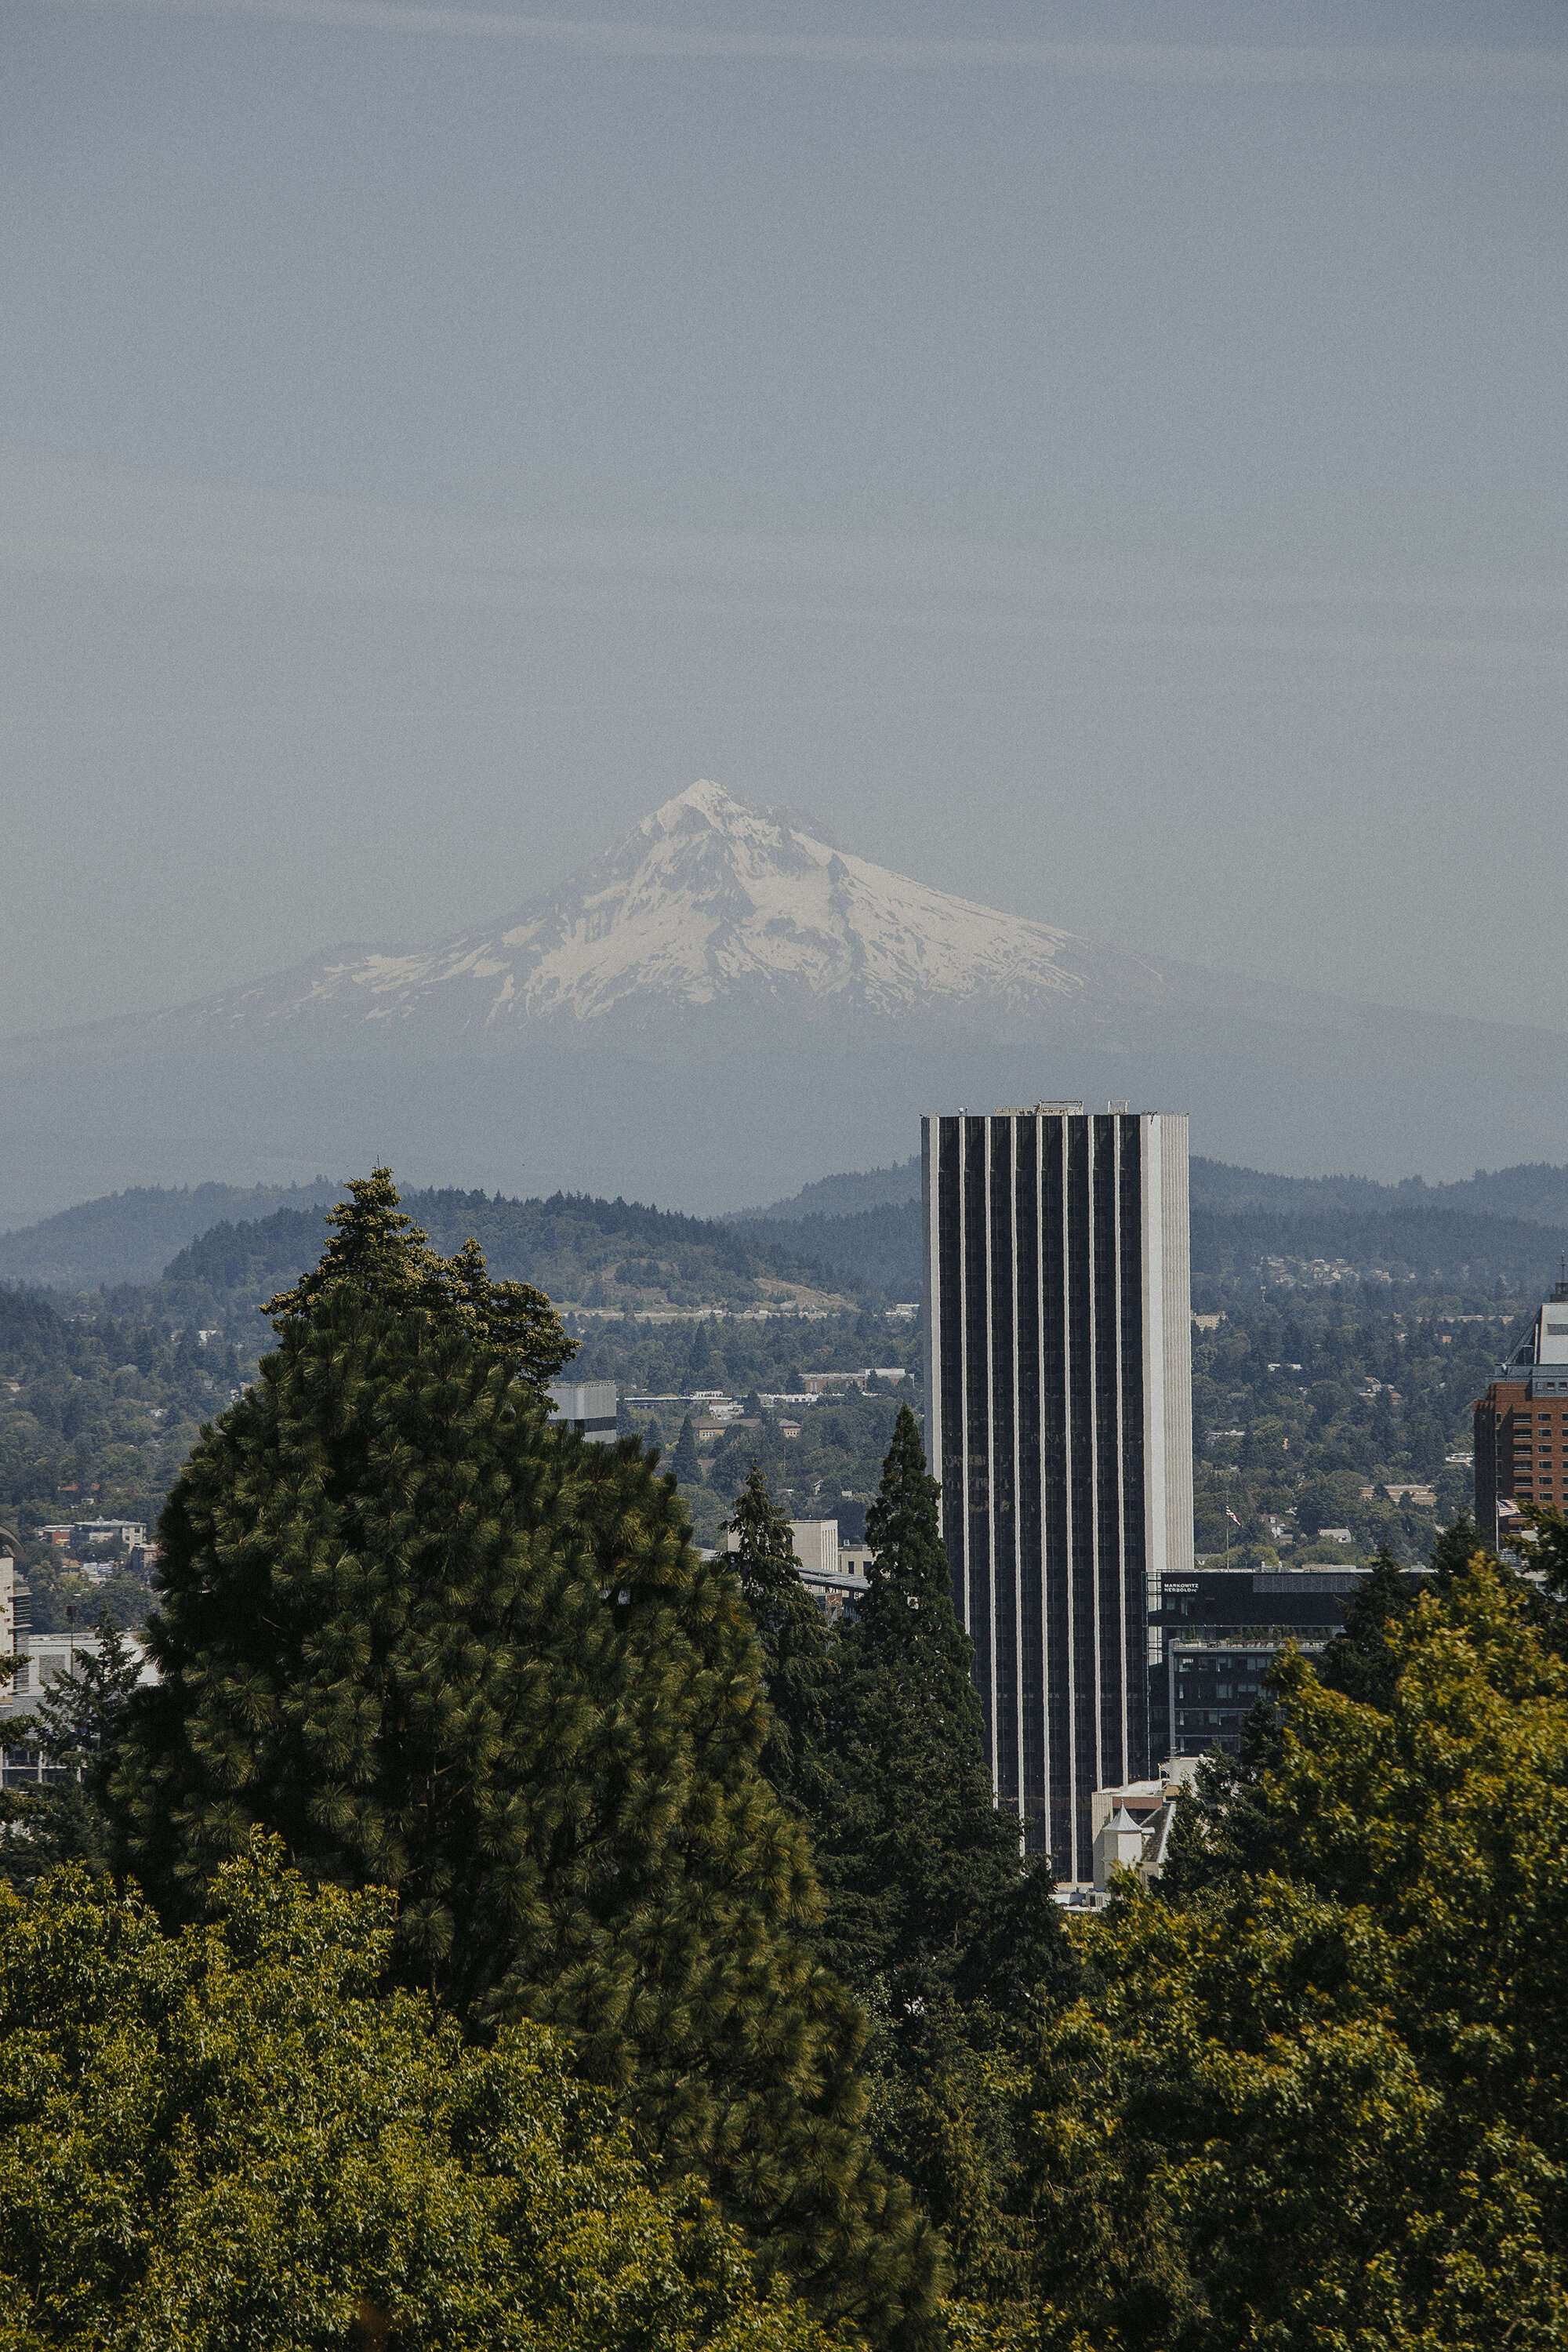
{"x":437,"y":1645}
{"x":792,"y":1636}
{"x":919,"y":1854}
{"x":1454,"y":1550}
{"x":378,"y":1252}
{"x":1360,"y":1661}
{"x":683,"y":1462}
{"x":75,"y":1726}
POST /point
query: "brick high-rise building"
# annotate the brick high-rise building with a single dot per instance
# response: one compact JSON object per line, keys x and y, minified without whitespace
{"x":1058,"y":1403}
{"x":1521,"y":1423}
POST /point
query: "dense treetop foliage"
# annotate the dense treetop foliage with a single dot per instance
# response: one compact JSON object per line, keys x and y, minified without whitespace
{"x":378,"y":1252}
{"x":1317,"y":2096}
{"x":236,"y":2137}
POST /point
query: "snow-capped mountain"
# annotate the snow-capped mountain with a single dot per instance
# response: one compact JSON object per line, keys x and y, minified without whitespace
{"x":705,"y":901}
{"x":722,"y":1008}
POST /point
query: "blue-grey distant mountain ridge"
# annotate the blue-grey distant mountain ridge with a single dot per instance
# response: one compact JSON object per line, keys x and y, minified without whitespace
{"x":718,"y":1009}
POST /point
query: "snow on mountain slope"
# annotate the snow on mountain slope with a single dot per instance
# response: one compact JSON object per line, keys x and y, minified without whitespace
{"x":707,"y":899}
{"x":718,"y":1009}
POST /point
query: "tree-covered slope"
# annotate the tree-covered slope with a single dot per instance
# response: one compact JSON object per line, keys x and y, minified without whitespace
{"x":1461,"y":1247}
{"x":840,"y":1196}
{"x":879,"y":1245}
{"x":130,"y":1236}
{"x":581,"y":1252}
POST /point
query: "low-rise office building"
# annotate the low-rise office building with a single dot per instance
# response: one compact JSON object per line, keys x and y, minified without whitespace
{"x":1132,"y":1826}
{"x":1214,"y":1634}
{"x":82,"y":1535}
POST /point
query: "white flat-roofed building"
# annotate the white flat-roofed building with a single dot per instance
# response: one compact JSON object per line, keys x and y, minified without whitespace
{"x":43,"y":1659}
{"x":586,"y":1406}
{"x":129,"y":1532}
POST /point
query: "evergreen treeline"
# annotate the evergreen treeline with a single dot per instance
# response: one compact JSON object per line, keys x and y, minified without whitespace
{"x":1535,"y":1190}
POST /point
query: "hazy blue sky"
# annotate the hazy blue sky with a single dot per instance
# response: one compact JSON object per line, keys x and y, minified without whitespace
{"x":1110,"y":461}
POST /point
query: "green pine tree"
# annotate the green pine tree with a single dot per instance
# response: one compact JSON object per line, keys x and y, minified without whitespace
{"x":438,"y":1646}
{"x":1544,"y":1590}
{"x":688,"y":1470}
{"x":378,"y":1252}
{"x":76,"y":1728}
{"x":1455,"y":1549}
{"x":958,"y":1942}
{"x":1226,"y":1828}
{"x":1359,"y":1661}
{"x":792,"y":1634}
{"x":918,"y":1852}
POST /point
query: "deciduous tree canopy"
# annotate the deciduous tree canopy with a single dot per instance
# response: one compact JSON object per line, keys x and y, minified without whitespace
{"x":232,"y":2138}
{"x":1324,"y":2102}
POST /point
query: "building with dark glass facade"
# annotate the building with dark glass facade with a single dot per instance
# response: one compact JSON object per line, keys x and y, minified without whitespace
{"x":1223,"y":1628}
{"x":1058,"y":1401}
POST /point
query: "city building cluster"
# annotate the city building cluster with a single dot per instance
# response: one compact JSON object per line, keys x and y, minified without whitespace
{"x":1109,"y":1655}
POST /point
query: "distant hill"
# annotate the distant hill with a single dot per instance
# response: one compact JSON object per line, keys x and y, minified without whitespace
{"x":882,"y":1246}
{"x":1537,"y":1192}
{"x":1509,"y":1228}
{"x":129,"y":1236}
{"x":581,"y":1252}
{"x":1511,"y":1225}
{"x":839,"y":1196}
{"x":1459,"y":1250}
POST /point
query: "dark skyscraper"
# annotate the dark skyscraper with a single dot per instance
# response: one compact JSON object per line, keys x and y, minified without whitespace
{"x":1059,"y":1422}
